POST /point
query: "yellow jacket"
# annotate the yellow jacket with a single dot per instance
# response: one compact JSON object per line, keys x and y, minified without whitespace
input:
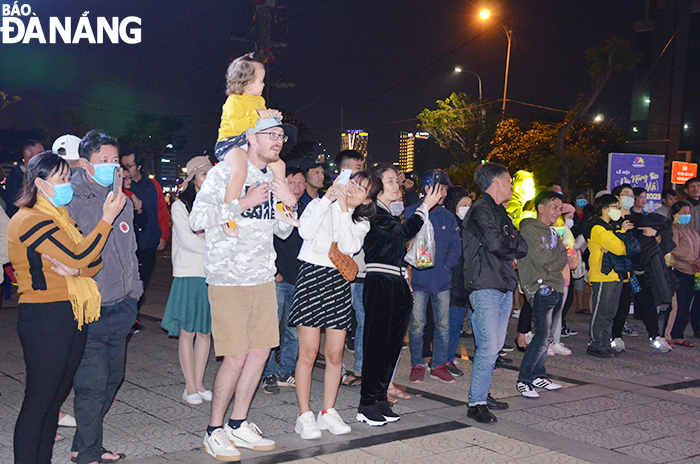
{"x":239,"y":113}
{"x":602,"y":238}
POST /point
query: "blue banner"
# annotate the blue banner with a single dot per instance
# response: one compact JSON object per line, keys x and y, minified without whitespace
{"x":646,"y":171}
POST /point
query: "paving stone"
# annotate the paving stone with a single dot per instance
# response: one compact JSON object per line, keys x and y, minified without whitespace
{"x":652,"y":453}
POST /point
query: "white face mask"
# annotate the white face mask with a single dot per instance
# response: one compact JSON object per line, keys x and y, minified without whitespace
{"x":627,"y":202}
{"x":615,"y":214}
{"x":462,"y":211}
{"x":396,"y":208}
{"x":569,"y":223}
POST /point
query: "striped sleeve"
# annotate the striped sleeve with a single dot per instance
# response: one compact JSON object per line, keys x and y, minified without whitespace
{"x":45,"y":237}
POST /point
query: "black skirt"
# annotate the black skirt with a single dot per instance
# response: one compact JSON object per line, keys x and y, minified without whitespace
{"x":321,"y":299}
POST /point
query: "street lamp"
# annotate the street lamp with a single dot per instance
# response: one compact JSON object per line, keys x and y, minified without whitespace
{"x":484,"y":15}
{"x":460,"y":70}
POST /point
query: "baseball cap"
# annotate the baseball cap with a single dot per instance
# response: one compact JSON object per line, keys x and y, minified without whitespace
{"x":66,"y":146}
{"x":435,"y":175}
{"x":268,"y":123}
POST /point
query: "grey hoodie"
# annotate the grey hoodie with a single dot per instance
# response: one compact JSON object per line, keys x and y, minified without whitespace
{"x":119,"y":277}
{"x":546,"y":257}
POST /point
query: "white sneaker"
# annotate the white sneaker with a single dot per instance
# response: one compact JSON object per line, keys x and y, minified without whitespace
{"x":660,"y":343}
{"x":306,"y":426}
{"x":67,"y":421}
{"x":194,"y":398}
{"x":218,"y":446}
{"x":206,"y":395}
{"x":249,"y":436}
{"x":617,"y":344}
{"x":332,"y":422}
{"x":550,"y":350}
{"x":545,"y":383}
{"x":560,"y":349}
{"x":526,"y":390}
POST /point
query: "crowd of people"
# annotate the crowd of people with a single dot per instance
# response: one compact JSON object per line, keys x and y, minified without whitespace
{"x":264,"y":259}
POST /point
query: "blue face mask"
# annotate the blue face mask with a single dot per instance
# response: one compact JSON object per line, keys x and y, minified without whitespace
{"x":63,"y":194}
{"x":581,"y":203}
{"x":684,"y":219}
{"x":104,"y":173}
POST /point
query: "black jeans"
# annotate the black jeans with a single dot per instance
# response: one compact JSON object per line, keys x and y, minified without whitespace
{"x":388,"y":304}
{"x":52,"y":346}
{"x":525,"y":319}
{"x":147,"y":261}
{"x":688,"y":305}
{"x":623,"y":309}
{"x":99,"y":376}
{"x":645,"y":307}
{"x":545,"y":311}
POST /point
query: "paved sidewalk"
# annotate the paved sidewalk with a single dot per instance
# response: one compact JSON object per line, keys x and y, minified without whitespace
{"x":640,"y":407}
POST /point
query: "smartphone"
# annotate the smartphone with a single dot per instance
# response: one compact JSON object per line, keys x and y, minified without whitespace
{"x":118,"y":180}
{"x":343,"y":177}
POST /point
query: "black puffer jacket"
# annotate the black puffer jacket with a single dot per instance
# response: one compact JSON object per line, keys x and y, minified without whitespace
{"x":385,"y":243}
{"x":491,"y":243}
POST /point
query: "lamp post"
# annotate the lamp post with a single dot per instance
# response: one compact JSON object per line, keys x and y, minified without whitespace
{"x":484,"y":15}
{"x":460,"y":70}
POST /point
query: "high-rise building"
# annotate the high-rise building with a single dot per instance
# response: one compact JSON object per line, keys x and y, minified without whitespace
{"x":355,"y":139}
{"x":410,"y":145}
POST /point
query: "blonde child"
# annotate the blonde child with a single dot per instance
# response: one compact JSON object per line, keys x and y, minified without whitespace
{"x":244,"y":85}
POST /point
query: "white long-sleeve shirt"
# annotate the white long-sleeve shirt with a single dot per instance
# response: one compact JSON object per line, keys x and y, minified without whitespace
{"x":188,"y":247}
{"x":315,"y":229}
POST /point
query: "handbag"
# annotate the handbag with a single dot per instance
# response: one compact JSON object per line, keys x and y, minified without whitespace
{"x":344,"y":263}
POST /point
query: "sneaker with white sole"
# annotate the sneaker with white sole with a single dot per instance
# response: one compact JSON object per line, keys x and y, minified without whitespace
{"x":287,"y":381}
{"x":618,"y":345}
{"x":560,"y":349}
{"x":545,"y":383}
{"x":526,"y":390}
{"x":660,"y":343}
{"x":550,"y":351}
{"x":218,"y":446}
{"x":206,"y":395}
{"x":248,"y":435}
{"x":306,"y":426}
{"x":331,"y":421}
{"x":194,"y":398}
{"x":371,"y":415}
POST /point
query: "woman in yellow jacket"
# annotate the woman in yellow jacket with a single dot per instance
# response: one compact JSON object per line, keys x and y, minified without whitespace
{"x":606,"y":287}
{"x":53,"y":264}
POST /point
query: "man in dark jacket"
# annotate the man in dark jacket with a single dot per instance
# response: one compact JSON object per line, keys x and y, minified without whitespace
{"x":102,"y":368}
{"x":434,"y":283}
{"x":491,"y":246}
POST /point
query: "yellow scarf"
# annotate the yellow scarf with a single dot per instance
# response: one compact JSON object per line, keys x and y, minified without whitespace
{"x":82,"y":291}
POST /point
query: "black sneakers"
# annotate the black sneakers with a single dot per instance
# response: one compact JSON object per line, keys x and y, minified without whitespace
{"x":371,"y":415}
{"x":599,"y":353}
{"x":481,"y":413}
{"x":387,"y":412}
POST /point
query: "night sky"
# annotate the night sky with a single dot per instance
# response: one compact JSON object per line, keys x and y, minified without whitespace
{"x":381,"y":61}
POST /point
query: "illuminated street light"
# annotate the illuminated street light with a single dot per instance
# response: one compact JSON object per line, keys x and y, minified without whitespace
{"x":170,"y":145}
{"x":599,"y":118}
{"x":460,"y":70}
{"x":485,"y":14}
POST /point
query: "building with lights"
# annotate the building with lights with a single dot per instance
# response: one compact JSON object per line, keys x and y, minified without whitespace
{"x":355,"y":139}
{"x":411,"y":146}
{"x":665,"y":110}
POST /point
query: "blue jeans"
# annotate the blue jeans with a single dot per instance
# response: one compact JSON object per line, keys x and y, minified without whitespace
{"x":543,"y":309}
{"x":489,"y":317}
{"x":289,"y":343}
{"x":359,"y":307}
{"x":456,"y":322}
{"x":441,"y":316}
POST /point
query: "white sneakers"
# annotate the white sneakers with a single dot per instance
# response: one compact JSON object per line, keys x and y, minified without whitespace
{"x":218,"y":446}
{"x":660,"y":343}
{"x":617,"y":344}
{"x":559,"y":348}
{"x":306,"y":426}
{"x":222,"y":443}
{"x":249,"y":436}
{"x":526,"y":390}
{"x":546,"y":384}
{"x":332,"y":422}
{"x":310,"y":428}
{"x":194,"y":398}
